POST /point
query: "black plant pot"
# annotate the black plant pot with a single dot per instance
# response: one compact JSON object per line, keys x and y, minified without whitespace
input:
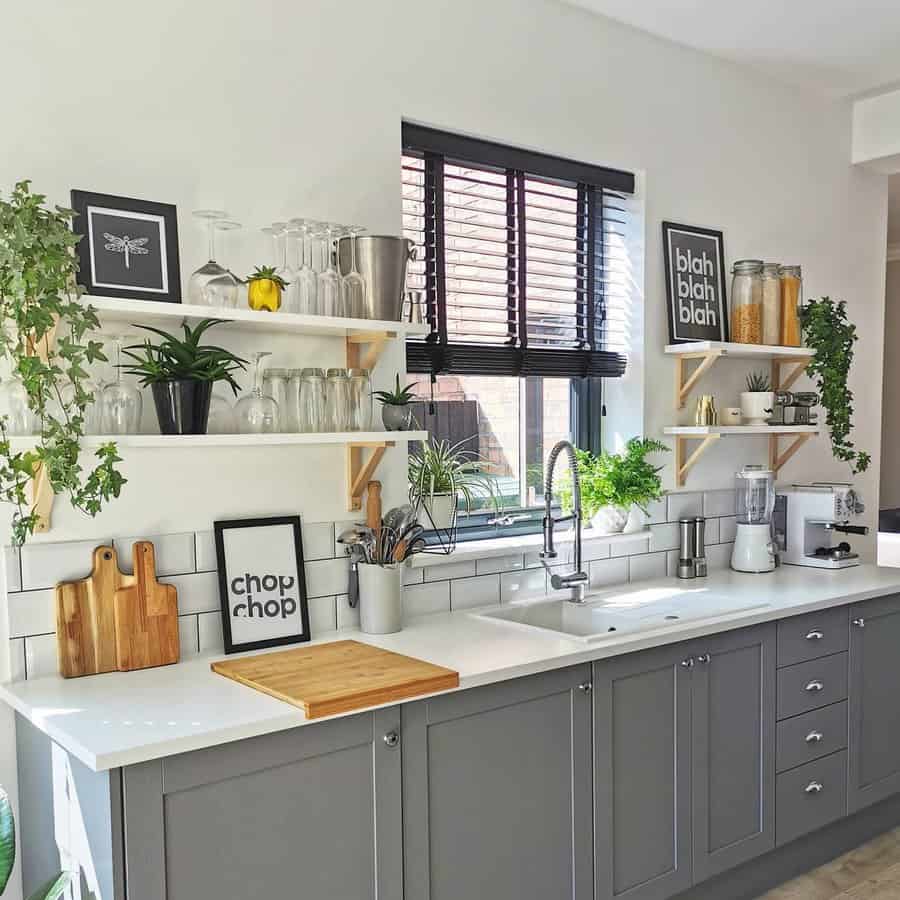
{"x":182,"y":407}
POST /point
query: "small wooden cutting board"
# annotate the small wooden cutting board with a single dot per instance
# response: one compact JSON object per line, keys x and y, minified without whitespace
{"x":327,"y":679}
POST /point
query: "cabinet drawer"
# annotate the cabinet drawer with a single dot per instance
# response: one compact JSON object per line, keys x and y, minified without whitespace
{"x":812,"y":635}
{"x":812,"y":684}
{"x":811,"y":736}
{"x":810,"y":796}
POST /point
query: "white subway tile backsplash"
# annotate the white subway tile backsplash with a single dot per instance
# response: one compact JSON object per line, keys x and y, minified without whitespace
{"x":718,"y":503}
{"x":466,"y":593}
{"x":327,"y":577}
{"x":606,"y":572}
{"x":656,"y":511}
{"x":346,"y":617}
{"x":665,"y":537}
{"x":210,"y":628}
{"x":40,"y":655}
{"x":688,"y":504}
{"x":650,"y":565}
{"x":672,"y":563}
{"x":196,"y":593}
{"x":205,"y":551}
{"x":12,"y":569}
{"x":322,"y":615}
{"x":727,"y":528}
{"x":450,"y":570}
{"x":174,"y":553}
{"x":719,"y":556}
{"x":628,"y":548}
{"x":420,"y":599}
{"x":520,"y":585}
{"x":595,"y":550}
{"x":188,"y":636}
{"x":17,"y":659}
{"x":32,"y":612}
{"x":499,"y":564}
{"x":711,"y":532}
{"x":413,"y":576}
{"x":318,"y":540}
{"x":43,"y":565}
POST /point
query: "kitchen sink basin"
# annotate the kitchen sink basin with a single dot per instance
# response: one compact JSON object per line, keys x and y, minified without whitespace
{"x":607,"y":615}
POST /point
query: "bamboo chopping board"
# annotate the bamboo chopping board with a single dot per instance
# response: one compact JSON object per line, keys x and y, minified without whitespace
{"x":146,"y":616}
{"x":327,"y":679}
{"x":85,"y":618}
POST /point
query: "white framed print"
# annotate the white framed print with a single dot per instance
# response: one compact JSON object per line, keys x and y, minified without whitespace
{"x":262,"y":588}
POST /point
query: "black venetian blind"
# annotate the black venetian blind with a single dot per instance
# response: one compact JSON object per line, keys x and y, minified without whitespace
{"x":519,"y":255}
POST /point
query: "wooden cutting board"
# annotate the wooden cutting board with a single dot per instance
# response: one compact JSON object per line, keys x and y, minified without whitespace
{"x":85,"y":618}
{"x":146,"y":616}
{"x":335,"y":678}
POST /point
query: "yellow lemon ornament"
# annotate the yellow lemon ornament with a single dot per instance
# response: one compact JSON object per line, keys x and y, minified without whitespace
{"x":264,"y":289}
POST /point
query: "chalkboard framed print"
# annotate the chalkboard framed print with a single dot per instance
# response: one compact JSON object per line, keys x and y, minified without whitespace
{"x":128,"y":248}
{"x":695,"y":283}
{"x":262,"y":588}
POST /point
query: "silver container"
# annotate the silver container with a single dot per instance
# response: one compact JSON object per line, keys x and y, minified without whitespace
{"x":382,"y":261}
{"x":380,"y":598}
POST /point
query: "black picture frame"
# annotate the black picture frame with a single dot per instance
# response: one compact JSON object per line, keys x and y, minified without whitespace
{"x":679,"y":240}
{"x":105,"y":267}
{"x":293,"y":564}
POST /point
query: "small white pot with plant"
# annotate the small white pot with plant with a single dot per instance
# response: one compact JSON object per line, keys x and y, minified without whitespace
{"x":396,"y":411}
{"x":617,"y":488}
{"x":440,"y":475}
{"x":757,"y":400}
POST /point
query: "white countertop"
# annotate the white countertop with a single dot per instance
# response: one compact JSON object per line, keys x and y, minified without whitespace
{"x":129,"y":717}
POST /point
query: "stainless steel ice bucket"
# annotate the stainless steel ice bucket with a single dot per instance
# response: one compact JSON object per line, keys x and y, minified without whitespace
{"x":381,"y":260}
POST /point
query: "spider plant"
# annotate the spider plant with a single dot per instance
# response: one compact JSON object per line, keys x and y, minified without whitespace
{"x":443,"y":468}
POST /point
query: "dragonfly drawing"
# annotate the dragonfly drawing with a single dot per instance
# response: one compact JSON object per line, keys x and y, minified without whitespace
{"x":126,"y":245}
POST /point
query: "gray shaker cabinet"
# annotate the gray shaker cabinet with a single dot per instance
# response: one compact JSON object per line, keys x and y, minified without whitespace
{"x":874,"y":702}
{"x":497,"y":793}
{"x":313,"y":812}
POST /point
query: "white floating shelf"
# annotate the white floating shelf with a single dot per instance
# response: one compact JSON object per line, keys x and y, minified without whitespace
{"x":739,"y":351}
{"x":112,"y":310}
{"x":699,"y":431}
{"x":176,"y":441}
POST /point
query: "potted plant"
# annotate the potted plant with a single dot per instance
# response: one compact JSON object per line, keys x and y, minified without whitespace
{"x":439,"y":475}
{"x":616,"y":488}
{"x":757,"y":400}
{"x":827,"y":330}
{"x":264,"y":289}
{"x":396,"y":412}
{"x":181,"y":374}
{"x":38,"y":302}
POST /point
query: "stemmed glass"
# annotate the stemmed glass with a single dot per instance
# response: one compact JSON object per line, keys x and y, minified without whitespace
{"x":211,"y":269}
{"x":292,"y":254}
{"x":120,"y":402}
{"x":305,"y":279}
{"x":254,"y":412}
{"x":330,"y":296}
{"x":223,"y":290}
{"x":353,"y":284}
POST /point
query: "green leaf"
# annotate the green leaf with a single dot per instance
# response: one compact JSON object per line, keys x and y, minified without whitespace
{"x":7,"y":840}
{"x":54,"y":888}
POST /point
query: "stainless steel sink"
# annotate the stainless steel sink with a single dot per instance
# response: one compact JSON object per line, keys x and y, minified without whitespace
{"x":607,"y":615}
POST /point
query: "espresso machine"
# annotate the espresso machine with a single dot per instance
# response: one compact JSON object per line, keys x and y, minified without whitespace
{"x":812,"y":521}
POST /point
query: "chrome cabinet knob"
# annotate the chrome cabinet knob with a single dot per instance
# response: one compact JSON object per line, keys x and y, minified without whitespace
{"x":392,"y":739}
{"x":586,"y":687}
{"x":815,"y":636}
{"x":688,"y":663}
{"x":814,"y":737}
{"x":813,"y":788}
{"x":860,"y":622}
{"x":703,"y":658}
{"x":814,"y":687}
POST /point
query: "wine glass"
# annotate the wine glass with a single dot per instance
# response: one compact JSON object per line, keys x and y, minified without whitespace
{"x":120,"y":402}
{"x":353,"y":284}
{"x":293,"y":254}
{"x":255,"y":413}
{"x":210,"y":269}
{"x":222,"y":290}
{"x":305,"y":279}
{"x":330,"y":297}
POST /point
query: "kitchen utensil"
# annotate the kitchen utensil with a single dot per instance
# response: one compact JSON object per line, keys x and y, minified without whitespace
{"x":387,"y":540}
{"x":688,"y":533}
{"x":85,"y":618}
{"x":354,"y":541}
{"x":381,"y":598}
{"x":394,"y":517}
{"x":409,"y":537}
{"x":753,"y":549}
{"x":337,"y":677}
{"x":382,"y":262}
{"x":146,"y":616}
{"x":373,"y":507}
{"x":700,"y":565}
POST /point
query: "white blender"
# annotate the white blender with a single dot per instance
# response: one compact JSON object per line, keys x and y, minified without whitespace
{"x":754,"y":549}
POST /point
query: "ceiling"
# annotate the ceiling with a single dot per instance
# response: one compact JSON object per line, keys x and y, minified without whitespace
{"x":839,"y":47}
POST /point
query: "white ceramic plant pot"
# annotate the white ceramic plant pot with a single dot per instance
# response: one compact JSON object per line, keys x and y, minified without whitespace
{"x":609,"y":519}
{"x":756,"y":407}
{"x":441,"y":507}
{"x":637,"y":520}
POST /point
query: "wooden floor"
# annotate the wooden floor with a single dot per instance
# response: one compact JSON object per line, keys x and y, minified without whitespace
{"x":871,"y":871}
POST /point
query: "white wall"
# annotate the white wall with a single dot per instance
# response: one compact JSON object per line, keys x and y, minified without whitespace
{"x":890,"y":423}
{"x":272,"y":109}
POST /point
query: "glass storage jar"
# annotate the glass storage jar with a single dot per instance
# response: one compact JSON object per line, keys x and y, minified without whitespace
{"x":791,"y":298}
{"x":771,"y":303}
{"x":747,"y":301}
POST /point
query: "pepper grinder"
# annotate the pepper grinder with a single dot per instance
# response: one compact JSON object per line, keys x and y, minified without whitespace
{"x":686,"y":550}
{"x":700,"y":567}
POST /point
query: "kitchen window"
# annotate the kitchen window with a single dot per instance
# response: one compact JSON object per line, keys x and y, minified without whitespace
{"x":521,"y":262}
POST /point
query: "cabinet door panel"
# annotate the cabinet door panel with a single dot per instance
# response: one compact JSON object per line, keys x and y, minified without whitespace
{"x":733,"y":759}
{"x":642,"y":775}
{"x":874,"y":709}
{"x":497,"y":792}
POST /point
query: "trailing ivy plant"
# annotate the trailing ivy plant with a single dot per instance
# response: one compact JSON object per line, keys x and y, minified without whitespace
{"x":829,"y":332}
{"x":37,"y":295}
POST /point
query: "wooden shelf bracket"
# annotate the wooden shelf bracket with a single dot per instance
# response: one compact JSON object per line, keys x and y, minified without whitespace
{"x":776,"y":460}
{"x":360,"y":473}
{"x":684,"y":385}
{"x":684,"y":463}
{"x":787,"y":382}
{"x":376,"y":341}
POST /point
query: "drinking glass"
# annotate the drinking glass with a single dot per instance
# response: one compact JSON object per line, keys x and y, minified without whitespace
{"x":361,"y":400}
{"x":221,"y":415}
{"x":305,"y":278}
{"x":338,"y":400}
{"x":275,"y":386}
{"x":312,"y":400}
{"x":278,"y":233}
{"x":293,"y":260}
{"x":353,"y":284}
{"x":291,"y":414}
{"x":120,"y":402}
{"x":211,"y":269}
{"x":330,"y":296}
{"x":223,"y":290}
{"x":256,"y":413}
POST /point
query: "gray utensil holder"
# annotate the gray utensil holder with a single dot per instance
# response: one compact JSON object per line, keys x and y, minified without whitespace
{"x":380,"y":598}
